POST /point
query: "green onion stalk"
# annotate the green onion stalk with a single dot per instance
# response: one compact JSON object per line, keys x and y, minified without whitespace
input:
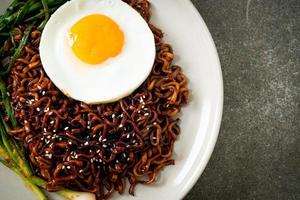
{"x":34,"y":13}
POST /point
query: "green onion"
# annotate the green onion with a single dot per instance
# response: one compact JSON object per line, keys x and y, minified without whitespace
{"x":46,"y":10}
{"x":6,"y":103}
{"x":39,"y":15}
{"x":19,"y":49}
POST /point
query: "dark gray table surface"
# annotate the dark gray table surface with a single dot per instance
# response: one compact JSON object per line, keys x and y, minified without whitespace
{"x":257,"y":155}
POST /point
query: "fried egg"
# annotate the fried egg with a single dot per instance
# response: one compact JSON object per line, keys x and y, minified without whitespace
{"x":97,"y":51}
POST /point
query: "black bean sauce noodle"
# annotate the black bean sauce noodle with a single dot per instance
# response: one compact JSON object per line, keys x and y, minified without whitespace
{"x":96,"y":148}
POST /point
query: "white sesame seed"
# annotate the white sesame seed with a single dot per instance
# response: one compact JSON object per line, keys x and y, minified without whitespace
{"x":134,"y":141}
{"x":146,"y":114}
{"x":66,"y":128}
{"x":117,"y":161}
{"x":104,"y":140}
{"x":68,"y":167}
{"x":46,"y":151}
{"x":52,"y":122}
{"x":154,"y":138}
{"x":45,"y":130}
{"x":70,"y":143}
{"x":49,"y":156}
{"x":120,"y":126}
{"x":113,"y":115}
{"x":128,"y":136}
{"x":104,"y":146}
{"x":43,"y":93}
{"x":121,"y":115}
{"x":32,"y":100}
{"x":86,"y":143}
{"x":80,"y":171}
{"x":46,"y":110}
{"x":154,"y":123}
{"x":141,"y":100}
{"x":7,"y":93}
{"x":63,"y":167}
{"x":38,"y":109}
{"x":54,"y":131}
{"x":124,"y":155}
{"x":39,"y":87}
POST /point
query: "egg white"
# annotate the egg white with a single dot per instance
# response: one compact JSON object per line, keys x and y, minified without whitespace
{"x":101,"y":83}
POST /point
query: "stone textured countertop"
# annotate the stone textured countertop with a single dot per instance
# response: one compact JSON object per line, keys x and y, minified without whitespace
{"x":257,"y":155}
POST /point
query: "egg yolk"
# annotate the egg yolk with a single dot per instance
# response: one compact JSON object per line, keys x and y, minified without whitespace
{"x":96,"y":38}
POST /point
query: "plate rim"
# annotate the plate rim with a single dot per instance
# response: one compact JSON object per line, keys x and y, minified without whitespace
{"x":211,"y":143}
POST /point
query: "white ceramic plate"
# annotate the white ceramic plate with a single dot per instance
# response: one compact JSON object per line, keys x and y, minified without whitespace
{"x":196,"y":53}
